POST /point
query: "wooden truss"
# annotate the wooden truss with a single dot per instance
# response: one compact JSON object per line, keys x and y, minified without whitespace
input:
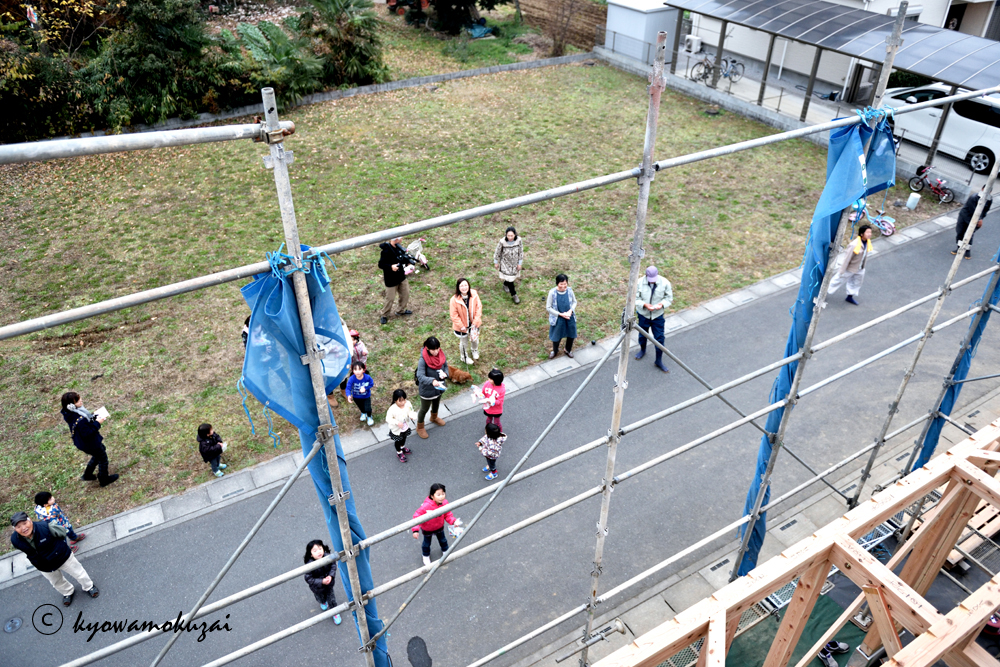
{"x":967,"y":471}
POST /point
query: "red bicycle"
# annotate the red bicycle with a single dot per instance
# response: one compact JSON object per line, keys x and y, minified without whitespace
{"x":922,"y":179}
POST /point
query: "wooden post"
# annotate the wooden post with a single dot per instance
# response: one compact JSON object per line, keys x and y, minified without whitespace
{"x":713,"y":650}
{"x":797,"y":615}
{"x":879,"y":609}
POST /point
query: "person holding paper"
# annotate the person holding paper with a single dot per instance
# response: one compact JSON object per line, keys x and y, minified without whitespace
{"x":85,"y":428}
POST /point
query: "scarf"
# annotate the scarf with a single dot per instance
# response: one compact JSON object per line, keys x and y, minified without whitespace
{"x":858,"y":243}
{"x":433,"y":362}
{"x":83,"y":412}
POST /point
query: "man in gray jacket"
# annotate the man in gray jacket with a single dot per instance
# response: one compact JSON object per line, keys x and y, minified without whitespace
{"x":652,"y":299}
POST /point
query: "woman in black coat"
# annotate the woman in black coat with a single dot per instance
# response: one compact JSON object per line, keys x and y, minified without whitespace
{"x":85,"y":428}
{"x":321,"y":579}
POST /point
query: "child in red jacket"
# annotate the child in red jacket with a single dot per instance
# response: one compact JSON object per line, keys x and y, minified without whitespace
{"x":493,"y":395}
{"x":433,"y":527}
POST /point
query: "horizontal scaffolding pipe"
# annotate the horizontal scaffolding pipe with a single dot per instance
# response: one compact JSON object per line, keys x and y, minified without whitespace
{"x":690,"y":549}
{"x":147,"y":296}
{"x":212,"y":608}
{"x":954,"y":423}
{"x":884,"y":353}
{"x":981,"y":377}
{"x":899,"y":311}
{"x":120,"y":143}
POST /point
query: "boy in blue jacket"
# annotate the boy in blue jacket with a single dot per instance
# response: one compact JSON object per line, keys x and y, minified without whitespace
{"x":359,"y":390}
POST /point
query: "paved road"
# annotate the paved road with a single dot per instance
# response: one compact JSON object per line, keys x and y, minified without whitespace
{"x":494,"y":596}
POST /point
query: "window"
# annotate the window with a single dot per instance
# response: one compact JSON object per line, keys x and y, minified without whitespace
{"x":979,"y":112}
{"x":920,"y":95}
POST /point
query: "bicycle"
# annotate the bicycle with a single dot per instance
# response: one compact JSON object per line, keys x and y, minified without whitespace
{"x":922,"y":179}
{"x":703,"y":69}
{"x":883,"y":223}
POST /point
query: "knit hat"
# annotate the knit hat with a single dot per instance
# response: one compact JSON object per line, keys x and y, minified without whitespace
{"x":652,"y":273}
{"x":18,"y":518}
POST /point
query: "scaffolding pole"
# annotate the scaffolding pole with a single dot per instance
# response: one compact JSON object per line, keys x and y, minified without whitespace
{"x":892,"y":44}
{"x":36,"y":151}
{"x":326,"y":433}
{"x":636,"y":252}
{"x":690,"y":371}
{"x":925,"y":336}
{"x":452,"y":551}
{"x":239,"y":550}
{"x":229,"y":275}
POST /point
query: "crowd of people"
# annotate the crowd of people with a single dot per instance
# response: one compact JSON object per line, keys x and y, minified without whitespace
{"x":51,"y":541}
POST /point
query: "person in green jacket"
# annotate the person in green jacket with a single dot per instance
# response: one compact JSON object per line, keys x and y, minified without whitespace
{"x":653,"y":296}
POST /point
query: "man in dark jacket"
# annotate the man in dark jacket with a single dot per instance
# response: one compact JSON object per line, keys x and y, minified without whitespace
{"x":965,"y":217}
{"x":393,"y":262}
{"x":45,"y":546}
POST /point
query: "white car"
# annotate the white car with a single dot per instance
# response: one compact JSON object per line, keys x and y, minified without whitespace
{"x":971,"y":133}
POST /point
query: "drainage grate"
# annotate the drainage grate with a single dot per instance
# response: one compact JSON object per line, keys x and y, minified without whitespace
{"x":719,"y":564}
{"x":789,"y":524}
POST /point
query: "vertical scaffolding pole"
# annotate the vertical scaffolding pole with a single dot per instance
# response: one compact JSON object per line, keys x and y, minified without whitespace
{"x":656,"y":86}
{"x":326,"y":433}
{"x":938,"y":305}
{"x":892,"y":45}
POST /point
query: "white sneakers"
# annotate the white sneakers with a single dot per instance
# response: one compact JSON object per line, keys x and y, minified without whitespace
{"x":475,"y":354}
{"x":427,"y":560}
{"x":469,"y":361}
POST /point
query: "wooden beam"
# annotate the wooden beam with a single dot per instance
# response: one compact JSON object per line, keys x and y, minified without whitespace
{"x":879,"y":609}
{"x":982,"y":484}
{"x":907,"y":605}
{"x":957,"y":626}
{"x":909,"y":608}
{"x":797,"y":614}
{"x":854,"y":608}
{"x":713,"y":650}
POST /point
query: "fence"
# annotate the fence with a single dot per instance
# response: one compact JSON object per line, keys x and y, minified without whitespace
{"x":627,"y":46}
{"x":274,"y":134}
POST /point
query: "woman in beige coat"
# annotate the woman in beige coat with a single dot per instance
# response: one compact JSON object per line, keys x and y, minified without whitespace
{"x":507,"y":260}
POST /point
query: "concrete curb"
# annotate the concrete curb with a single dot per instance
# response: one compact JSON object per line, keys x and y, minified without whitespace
{"x":240,"y":484}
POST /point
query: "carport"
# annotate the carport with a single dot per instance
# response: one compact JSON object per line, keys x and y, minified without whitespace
{"x":953,"y":58}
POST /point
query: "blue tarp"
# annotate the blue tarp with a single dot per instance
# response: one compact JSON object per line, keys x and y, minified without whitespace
{"x":274,"y":374}
{"x":846,"y":182}
{"x":961,"y":372}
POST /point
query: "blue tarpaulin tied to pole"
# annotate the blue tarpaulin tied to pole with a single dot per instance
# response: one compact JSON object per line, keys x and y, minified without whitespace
{"x":849,"y":177}
{"x":961,"y":373}
{"x":274,"y":373}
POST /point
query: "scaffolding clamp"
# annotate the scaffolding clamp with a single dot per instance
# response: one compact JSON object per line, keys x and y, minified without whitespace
{"x":338,"y":498}
{"x":316,"y":355}
{"x":272,"y":136}
{"x":326,"y":432}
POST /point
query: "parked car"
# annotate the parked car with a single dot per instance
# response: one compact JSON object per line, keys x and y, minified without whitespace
{"x":971,"y":133}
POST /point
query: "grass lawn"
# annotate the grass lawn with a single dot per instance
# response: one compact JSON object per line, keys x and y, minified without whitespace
{"x":73,"y":232}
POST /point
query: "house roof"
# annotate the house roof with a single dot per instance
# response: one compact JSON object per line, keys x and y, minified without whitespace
{"x":944,"y":55}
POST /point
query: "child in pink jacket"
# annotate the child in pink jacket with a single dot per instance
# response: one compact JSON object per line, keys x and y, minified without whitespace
{"x":433,"y":527}
{"x":493,"y":395}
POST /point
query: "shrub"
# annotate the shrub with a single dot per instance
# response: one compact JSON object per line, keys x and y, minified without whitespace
{"x":348,"y":34}
{"x":284,"y":63}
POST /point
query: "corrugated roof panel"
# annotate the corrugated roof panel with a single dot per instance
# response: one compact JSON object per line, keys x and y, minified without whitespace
{"x":945,"y":55}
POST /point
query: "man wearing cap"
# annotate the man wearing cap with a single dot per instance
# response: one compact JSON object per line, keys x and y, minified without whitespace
{"x":45,"y":546}
{"x":652,"y":299}
{"x":393,"y":262}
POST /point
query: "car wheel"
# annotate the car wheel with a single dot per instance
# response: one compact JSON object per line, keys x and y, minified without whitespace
{"x":980,"y":159}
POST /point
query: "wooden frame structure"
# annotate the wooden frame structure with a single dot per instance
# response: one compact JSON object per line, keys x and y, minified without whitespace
{"x":967,"y":470}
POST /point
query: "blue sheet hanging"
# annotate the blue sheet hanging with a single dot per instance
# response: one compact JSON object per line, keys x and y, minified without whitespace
{"x":849,"y":176}
{"x":961,"y":373}
{"x":274,"y":374}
